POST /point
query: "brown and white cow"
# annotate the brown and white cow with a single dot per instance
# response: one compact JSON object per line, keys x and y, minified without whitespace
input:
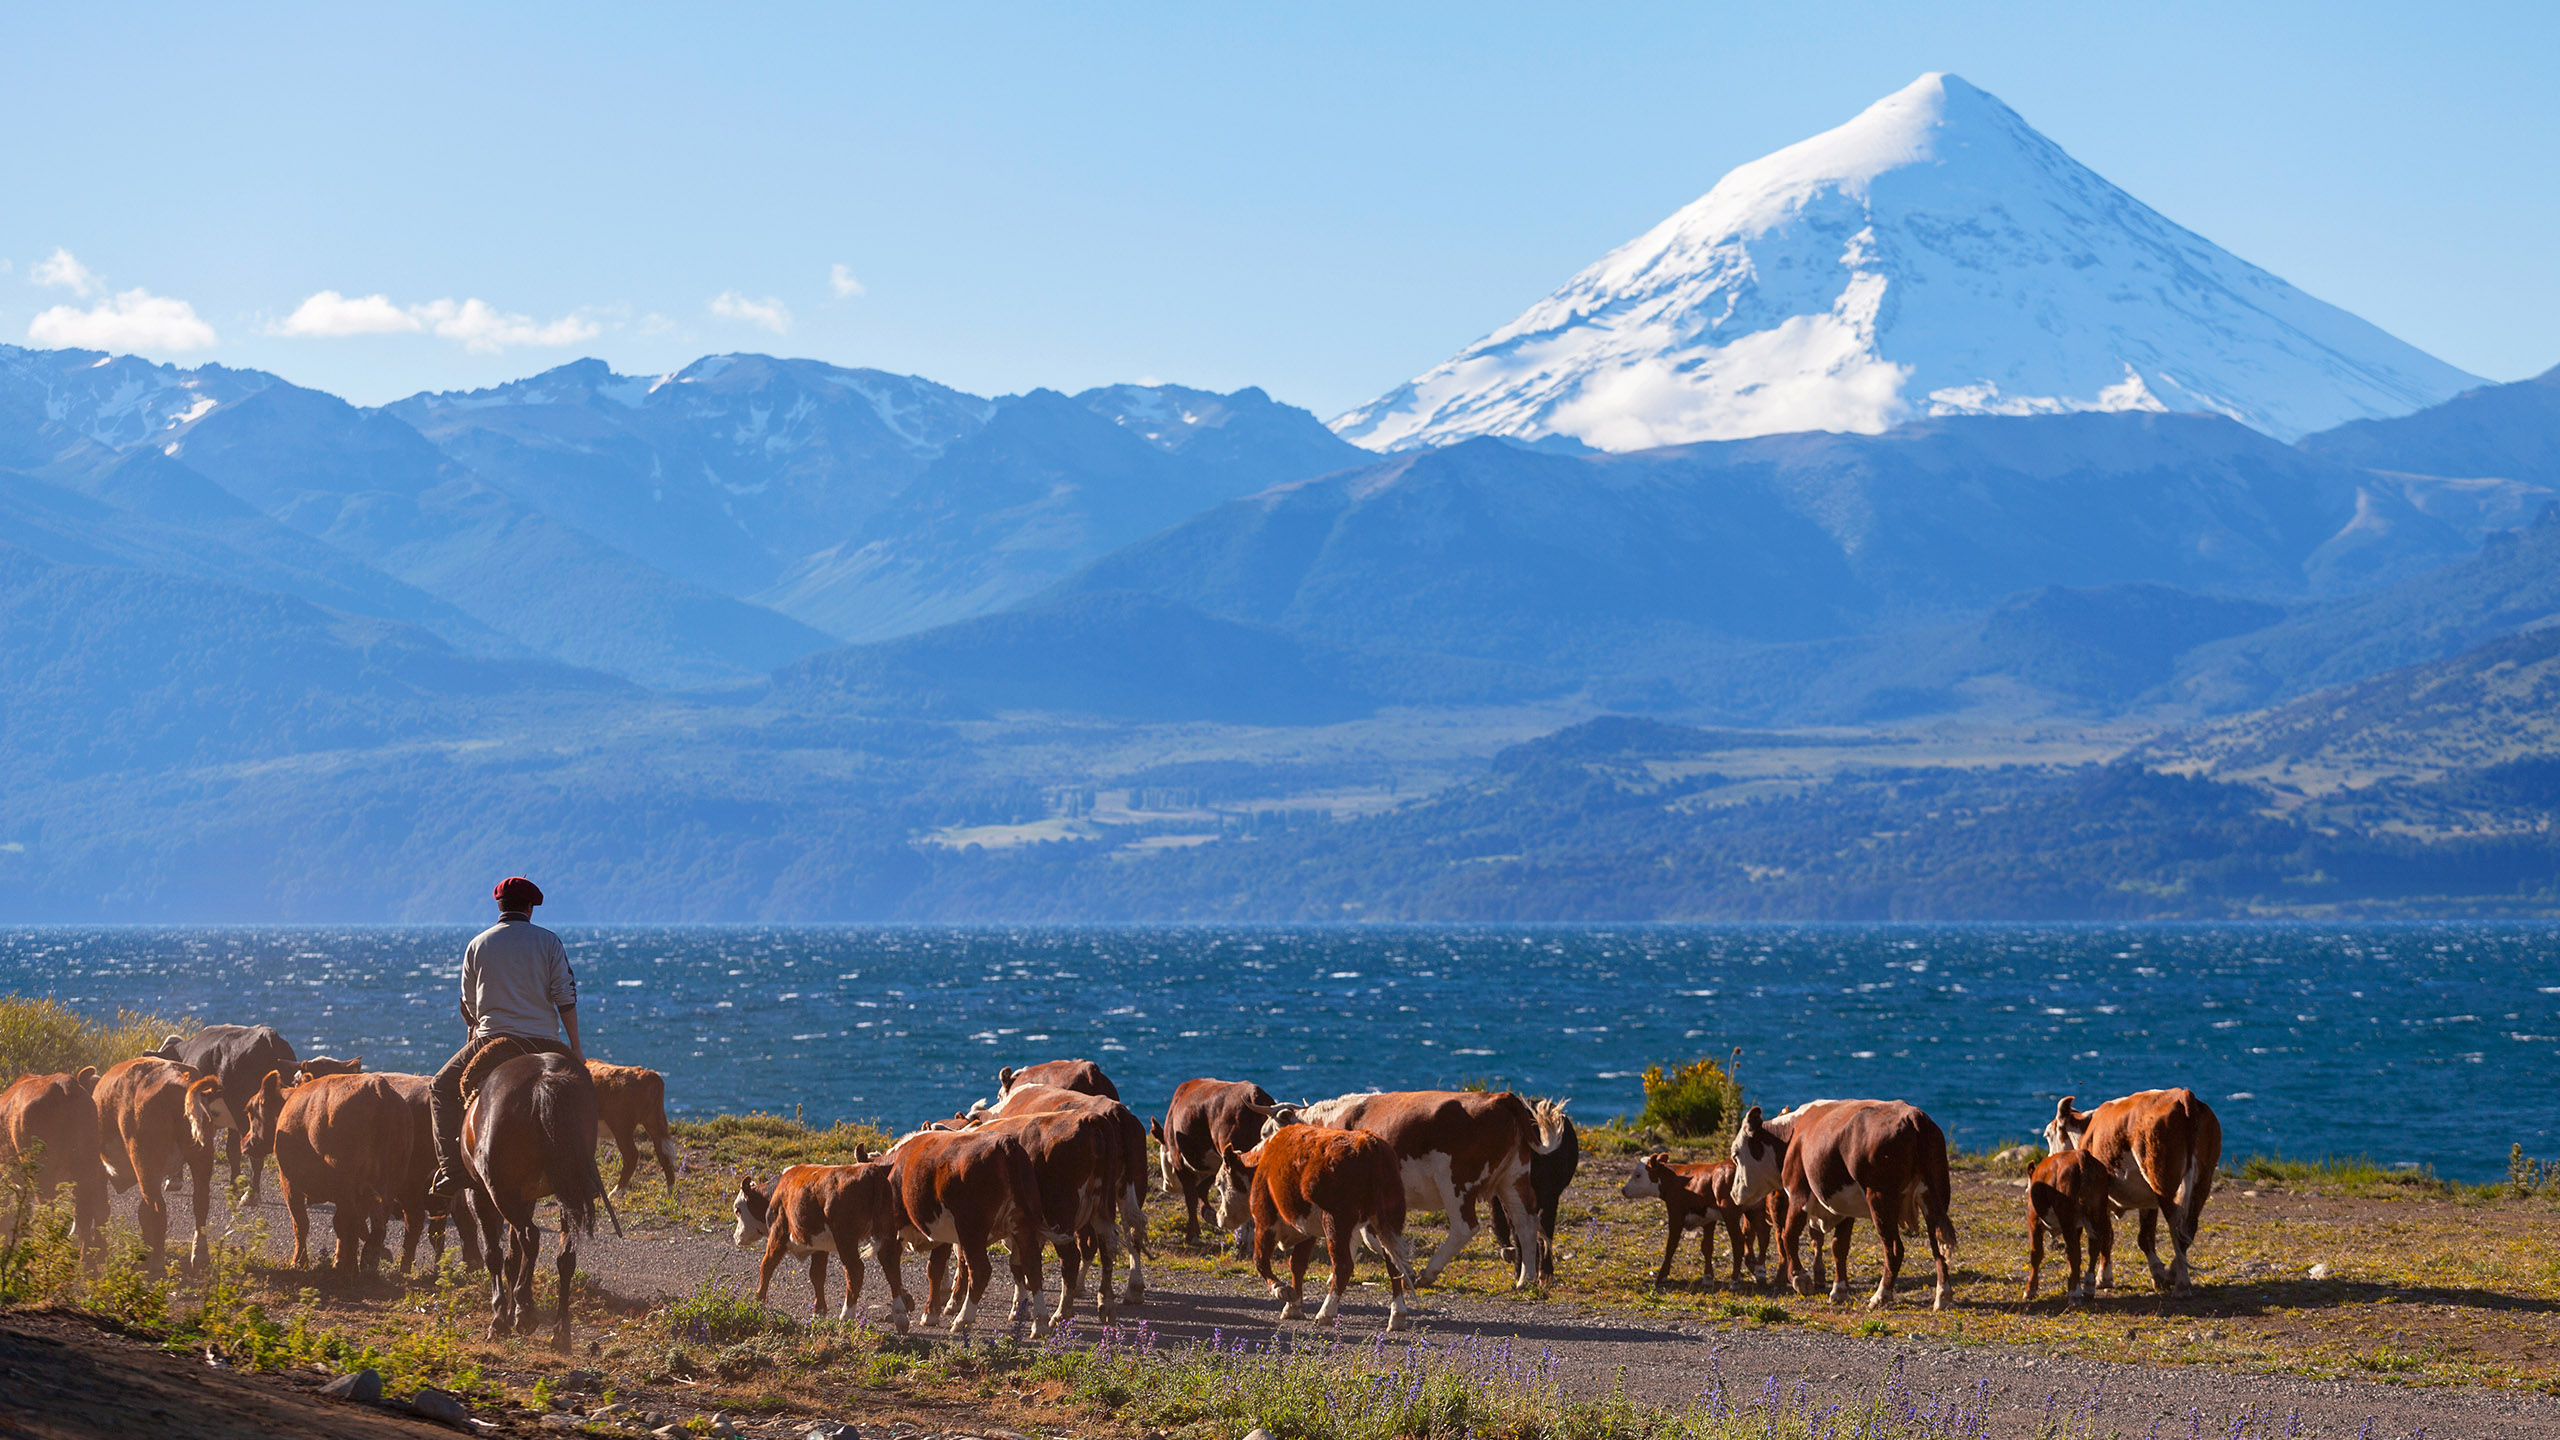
{"x":50,"y":1124}
{"x":1206,"y":1119}
{"x":813,"y":1211}
{"x":319,"y":1065}
{"x":1082,"y":1076}
{"x":631,"y":1100}
{"x":2161,"y":1147}
{"x":1456,"y":1147}
{"x":156,"y":1118}
{"x":1305,"y":1183}
{"x":2067,"y":1197}
{"x":1127,"y":1231}
{"x":1699,"y":1198}
{"x":967,"y":1189}
{"x":1851,"y":1160}
{"x":342,"y":1140}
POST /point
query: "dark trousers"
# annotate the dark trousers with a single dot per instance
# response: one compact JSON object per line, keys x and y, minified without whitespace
{"x":461,"y":1076}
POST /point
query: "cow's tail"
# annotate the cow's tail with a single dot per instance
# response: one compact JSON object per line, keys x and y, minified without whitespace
{"x":1936,"y":1191}
{"x":564,"y":1116}
{"x":1386,"y":1204}
{"x":1547,"y":1116}
{"x":2204,"y":1153}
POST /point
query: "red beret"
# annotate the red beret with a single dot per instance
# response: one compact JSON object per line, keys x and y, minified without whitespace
{"x":517,"y":893}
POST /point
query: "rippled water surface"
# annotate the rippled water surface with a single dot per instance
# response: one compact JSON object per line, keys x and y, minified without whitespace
{"x":2414,"y":1044}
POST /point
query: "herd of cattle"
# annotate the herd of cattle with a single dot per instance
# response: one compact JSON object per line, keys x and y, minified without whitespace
{"x":1057,"y":1161}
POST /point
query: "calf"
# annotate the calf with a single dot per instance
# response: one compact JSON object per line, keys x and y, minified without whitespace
{"x":344,"y":1141}
{"x":1304,"y":1183}
{"x":1700,"y":1197}
{"x":1207,"y":1119}
{"x":155,"y":1118}
{"x":1129,"y":1139}
{"x":967,"y":1188}
{"x":1456,"y":1147}
{"x":2067,"y":1195}
{"x":2161,"y":1148}
{"x":319,"y":1065}
{"x":631,"y":1100}
{"x":49,"y":1124}
{"x":240,"y":1057}
{"x":1082,"y":1076}
{"x":1878,"y":1160}
{"x":1550,"y":1175}
{"x":813,"y":1211}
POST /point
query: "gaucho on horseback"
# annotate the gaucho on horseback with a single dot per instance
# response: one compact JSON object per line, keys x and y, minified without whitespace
{"x":518,"y":994}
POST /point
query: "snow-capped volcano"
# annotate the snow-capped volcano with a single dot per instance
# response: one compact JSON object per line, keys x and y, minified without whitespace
{"x":1934,"y":256}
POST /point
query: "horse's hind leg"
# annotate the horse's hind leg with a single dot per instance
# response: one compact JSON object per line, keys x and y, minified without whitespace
{"x":528,"y":1263}
{"x":568,"y":1285}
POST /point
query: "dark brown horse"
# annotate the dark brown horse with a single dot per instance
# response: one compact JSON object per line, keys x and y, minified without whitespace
{"x":530,"y":1133}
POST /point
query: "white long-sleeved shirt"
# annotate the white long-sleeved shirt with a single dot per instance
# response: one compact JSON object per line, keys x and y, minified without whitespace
{"x":516,"y":979}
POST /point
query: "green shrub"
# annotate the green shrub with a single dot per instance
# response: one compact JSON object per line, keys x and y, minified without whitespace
{"x":46,"y":1037}
{"x":1698,"y":1101}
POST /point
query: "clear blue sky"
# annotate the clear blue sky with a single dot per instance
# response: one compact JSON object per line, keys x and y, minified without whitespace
{"x":1319,"y":199}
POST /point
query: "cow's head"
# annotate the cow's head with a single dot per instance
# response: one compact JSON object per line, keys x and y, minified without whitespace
{"x":754,"y":1209}
{"x":1757,"y":1154}
{"x":319,"y":1065}
{"x":1231,"y":1198}
{"x":168,"y":1048}
{"x":1276,"y":1115}
{"x":1647,"y":1181}
{"x":2067,"y":1126}
{"x":208,"y":1114}
{"x":258,"y":1127}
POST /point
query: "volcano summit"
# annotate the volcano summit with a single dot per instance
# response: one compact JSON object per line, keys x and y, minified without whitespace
{"x":1934,"y":256}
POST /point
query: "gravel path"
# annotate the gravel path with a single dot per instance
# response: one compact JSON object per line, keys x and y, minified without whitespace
{"x":1662,"y":1360}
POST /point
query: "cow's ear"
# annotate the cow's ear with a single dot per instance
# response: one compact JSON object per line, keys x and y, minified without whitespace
{"x":861,"y":1153}
{"x":1004,"y":1077}
{"x":1751,"y":1119}
{"x":2062,"y":1108}
{"x":86,"y":1076}
{"x":273,"y":1086}
{"x":1155,"y":1131}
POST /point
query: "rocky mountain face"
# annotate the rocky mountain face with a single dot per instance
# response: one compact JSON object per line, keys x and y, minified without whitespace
{"x":1934,"y":256}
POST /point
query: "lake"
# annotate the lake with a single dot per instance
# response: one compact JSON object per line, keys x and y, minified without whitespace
{"x":2412,"y":1044}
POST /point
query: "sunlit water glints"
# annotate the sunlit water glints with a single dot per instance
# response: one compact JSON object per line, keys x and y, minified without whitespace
{"x":2416,"y":1044}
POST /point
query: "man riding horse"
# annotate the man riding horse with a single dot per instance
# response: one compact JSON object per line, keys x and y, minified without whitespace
{"x":518,"y":994}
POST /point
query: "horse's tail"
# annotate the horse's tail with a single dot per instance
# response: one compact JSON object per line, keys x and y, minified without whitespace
{"x":564,"y":1114}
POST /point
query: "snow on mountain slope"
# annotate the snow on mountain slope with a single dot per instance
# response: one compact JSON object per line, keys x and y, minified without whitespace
{"x":51,"y":398}
{"x":1934,"y":256}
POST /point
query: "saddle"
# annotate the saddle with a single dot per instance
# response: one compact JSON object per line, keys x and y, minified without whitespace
{"x":495,"y":1051}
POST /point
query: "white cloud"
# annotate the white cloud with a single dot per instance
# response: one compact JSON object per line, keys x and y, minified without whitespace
{"x":133,"y":320}
{"x":768,"y":313}
{"x":484,"y":329}
{"x":64,"y":272}
{"x":330,"y":315}
{"x":654,"y":323}
{"x":841,"y":281}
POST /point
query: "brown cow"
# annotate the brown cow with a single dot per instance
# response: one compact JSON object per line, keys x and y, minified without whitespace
{"x":1076,"y":1162}
{"x":2067,"y":1195}
{"x":632,"y":1100}
{"x":967,"y":1188}
{"x":50,"y":1123}
{"x":529,"y":1132}
{"x":1304,"y":1183}
{"x":2162,"y":1147}
{"x":1879,"y":1160}
{"x":1700,"y":1197}
{"x":1129,"y":1135}
{"x":319,"y":1065}
{"x":1207,"y":1119}
{"x":155,"y":1118}
{"x":814,"y":1211}
{"x":1082,"y":1076}
{"x":421,"y":1214}
{"x":1456,"y":1147}
{"x":344,"y":1141}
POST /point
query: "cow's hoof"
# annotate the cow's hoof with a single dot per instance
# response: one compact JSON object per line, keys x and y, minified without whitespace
{"x":1395,"y":1319}
{"x":1289,"y":1311}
